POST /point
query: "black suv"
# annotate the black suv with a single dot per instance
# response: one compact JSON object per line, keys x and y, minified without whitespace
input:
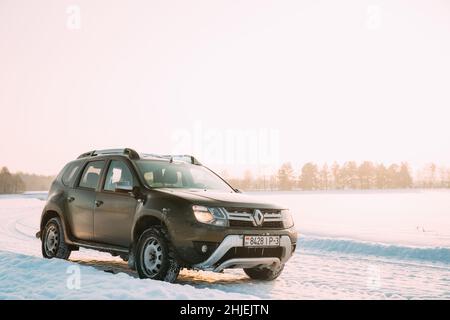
{"x":161,"y":214}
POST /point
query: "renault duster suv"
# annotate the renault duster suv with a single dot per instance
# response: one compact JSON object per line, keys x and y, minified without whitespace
{"x":161,"y":214}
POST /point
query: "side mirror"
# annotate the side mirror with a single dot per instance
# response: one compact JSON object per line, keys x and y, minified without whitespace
{"x":132,"y":191}
{"x":138,"y":195}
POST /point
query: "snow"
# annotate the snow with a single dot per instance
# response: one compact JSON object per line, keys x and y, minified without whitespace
{"x":353,"y":245}
{"x":412,"y":217}
{"x":28,"y":277}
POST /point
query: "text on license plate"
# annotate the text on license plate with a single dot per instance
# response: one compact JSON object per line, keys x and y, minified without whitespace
{"x":261,"y":241}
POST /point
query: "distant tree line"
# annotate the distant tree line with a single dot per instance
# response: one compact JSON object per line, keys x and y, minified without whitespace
{"x":10,"y":183}
{"x":350,"y":175}
{"x":433,"y":176}
{"x":20,"y":182}
{"x":310,"y":176}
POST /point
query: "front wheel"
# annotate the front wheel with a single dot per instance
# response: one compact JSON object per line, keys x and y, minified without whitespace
{"x":53,"y":244}
{"x":266,"y":274}
{"x":154,"y":256}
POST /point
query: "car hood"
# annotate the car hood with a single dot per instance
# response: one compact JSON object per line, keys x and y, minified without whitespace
{"x":221,"y":199}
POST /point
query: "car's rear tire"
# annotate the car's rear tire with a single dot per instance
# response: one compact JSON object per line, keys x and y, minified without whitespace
{"x":155,"y":258}
{"x":266,"y":274}
{"x":53,"y":244}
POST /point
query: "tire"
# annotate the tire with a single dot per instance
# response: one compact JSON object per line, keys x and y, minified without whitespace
{"x":155,"y":258}
{"x":53,"y":244}
{"x":265,"y":274}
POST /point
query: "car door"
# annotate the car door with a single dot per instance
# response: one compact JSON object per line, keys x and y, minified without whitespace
{"x":81,"y":201}
{"x":114,"y":212}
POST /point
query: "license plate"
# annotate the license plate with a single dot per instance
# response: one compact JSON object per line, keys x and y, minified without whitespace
{"x":261,"y":241}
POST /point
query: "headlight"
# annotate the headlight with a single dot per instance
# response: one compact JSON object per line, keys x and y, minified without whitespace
{"x":213,"y":216}
{"x":287,"y":218}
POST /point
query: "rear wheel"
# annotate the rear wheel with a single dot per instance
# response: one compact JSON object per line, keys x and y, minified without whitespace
{"x":53,"y":244}
{"x":155,"y":258}
{"x":264,"y":273}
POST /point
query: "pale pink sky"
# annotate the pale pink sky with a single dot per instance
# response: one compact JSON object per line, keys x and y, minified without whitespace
{"x":337,"y":80}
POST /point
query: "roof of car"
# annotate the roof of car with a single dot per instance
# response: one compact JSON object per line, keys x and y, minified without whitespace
{"x":133,"y":155}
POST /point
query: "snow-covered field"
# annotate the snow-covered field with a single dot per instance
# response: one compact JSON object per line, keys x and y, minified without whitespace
{"x":353,"y":245}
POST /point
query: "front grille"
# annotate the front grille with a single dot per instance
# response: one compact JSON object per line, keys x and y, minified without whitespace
{"x":241,"y":224}
{"x":245,"y":218}
{"x":249,"y":224}
{"x":244,"y":252}
{"x":273,"y":224}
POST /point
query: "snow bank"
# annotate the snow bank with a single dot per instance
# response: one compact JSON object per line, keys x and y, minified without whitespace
{"x":26,"y":277}
{"x":344,"y":246}
{"x":41,"y":195}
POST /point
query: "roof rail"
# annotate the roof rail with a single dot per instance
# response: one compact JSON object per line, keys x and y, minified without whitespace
{"x":86,"y":154}
{"x":179,"y":157}
{"x":182,"y":157}
{"x":126,"y":151}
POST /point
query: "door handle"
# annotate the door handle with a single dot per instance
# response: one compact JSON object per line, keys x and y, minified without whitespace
{"x":70,"y":199}
{"x":98,"y":203}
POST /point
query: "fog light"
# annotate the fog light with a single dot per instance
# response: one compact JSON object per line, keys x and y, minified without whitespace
{"x":204,"y":248}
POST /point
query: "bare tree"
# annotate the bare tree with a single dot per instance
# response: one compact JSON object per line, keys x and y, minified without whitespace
{"x":381,"y":177}
{"x":337,"y":176}
{"x":286,"y":177}
{"x":324,"y":177}
{"x":309,"y":177}
{"x":366,"y":175}
{"x":10,"y":183}
{"x":350,"y":175}
{"x":404,"y":176}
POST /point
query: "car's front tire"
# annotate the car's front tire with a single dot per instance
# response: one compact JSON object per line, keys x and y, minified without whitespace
{"x":155,"y":258}
{"x":262,"y":273}
{"x":53,"y":244}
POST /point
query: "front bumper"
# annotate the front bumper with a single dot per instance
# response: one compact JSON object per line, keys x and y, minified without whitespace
{"x":217,"y":264}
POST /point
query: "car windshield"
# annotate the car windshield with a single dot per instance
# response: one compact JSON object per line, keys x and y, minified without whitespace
{"x":161,"y":174}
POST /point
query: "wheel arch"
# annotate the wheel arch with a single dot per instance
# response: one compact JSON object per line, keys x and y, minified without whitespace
{"x":50,"y":214}
{"x":145,"y":222}
{"x":47,"y":215}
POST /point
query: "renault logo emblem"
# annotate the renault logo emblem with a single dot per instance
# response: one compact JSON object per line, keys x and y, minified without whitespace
{"x":258,"y":217}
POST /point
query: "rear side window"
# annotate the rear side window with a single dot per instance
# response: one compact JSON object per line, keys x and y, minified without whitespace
{"x":91,"y":174}
{"x":70,"y":173}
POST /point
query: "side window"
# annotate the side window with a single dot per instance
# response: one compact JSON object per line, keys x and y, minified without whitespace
{"x":70,"y":173}
{"x":91,"y":174}
{"x":119,"y":175}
